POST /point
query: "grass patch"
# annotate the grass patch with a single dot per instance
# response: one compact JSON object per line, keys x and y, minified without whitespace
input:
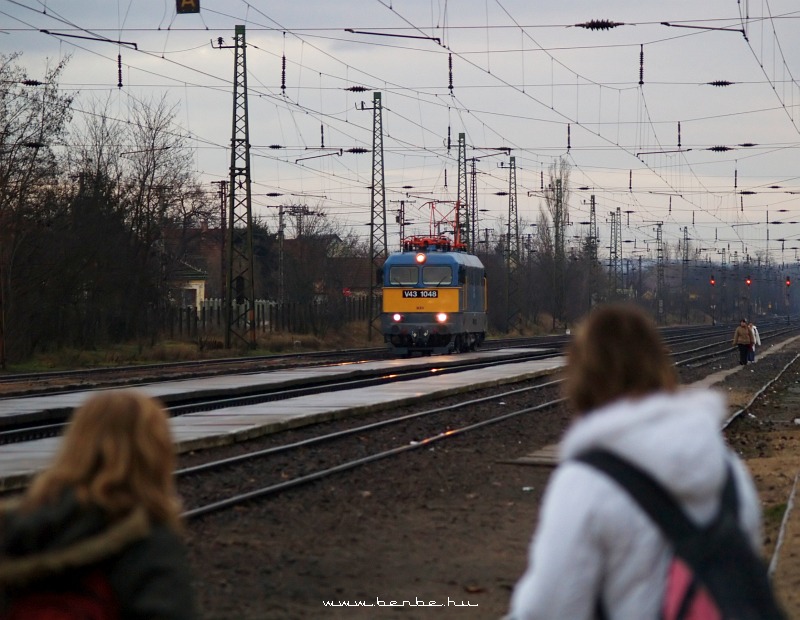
{"x":773,"y":515}
{"x":350,"y":336}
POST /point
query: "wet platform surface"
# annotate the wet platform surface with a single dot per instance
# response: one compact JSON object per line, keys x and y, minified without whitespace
{"x":18,"y":462}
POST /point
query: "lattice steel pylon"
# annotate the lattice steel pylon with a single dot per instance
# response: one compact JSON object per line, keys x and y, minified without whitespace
{"x":685,"y":276}
{"x":465,"y":223}
{"x":661,"y":291}
{"x":377,"y":220}
{"x":240,"y":303}
{"x":512,"y":250}
{"x":559,"y":253}
{"x":473,"y":208}
{"x":593,"y":235}
{"x":615,"y":254}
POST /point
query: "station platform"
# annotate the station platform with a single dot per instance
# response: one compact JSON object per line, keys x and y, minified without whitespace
{"x":19,"y":462}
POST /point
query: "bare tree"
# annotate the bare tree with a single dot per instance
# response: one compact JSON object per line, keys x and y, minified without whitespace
{"x":33,"y":120}
{"x":164,"y":204}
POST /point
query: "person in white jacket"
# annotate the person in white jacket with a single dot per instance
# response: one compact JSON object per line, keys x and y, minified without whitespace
{"x":751,"y":355}
{"x":594,"y":548}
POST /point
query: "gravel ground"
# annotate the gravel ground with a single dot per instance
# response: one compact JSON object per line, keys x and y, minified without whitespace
{"x":450,"y":523}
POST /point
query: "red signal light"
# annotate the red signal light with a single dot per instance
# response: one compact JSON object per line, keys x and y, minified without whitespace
{"x":712,"y":281}
{"x":788,"y":281}
{"x":748,"y":281}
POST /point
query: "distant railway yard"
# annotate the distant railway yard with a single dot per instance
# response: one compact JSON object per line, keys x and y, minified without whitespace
{"x":317,"y":481}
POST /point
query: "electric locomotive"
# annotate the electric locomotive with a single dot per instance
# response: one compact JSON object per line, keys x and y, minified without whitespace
{"x":434,"y":298}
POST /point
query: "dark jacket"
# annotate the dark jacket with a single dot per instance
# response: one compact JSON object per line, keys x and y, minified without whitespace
{"x":146,"y":564}
{"x":742,"y":335}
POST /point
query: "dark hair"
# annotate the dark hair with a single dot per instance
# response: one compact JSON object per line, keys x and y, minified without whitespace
{"x":616,"y":352}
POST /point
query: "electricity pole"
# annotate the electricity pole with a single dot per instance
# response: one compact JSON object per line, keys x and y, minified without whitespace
{"x":463,"y":202}
{"x":512,"y":250}
{"x":377,"y":221}
{"x":240,"y":300}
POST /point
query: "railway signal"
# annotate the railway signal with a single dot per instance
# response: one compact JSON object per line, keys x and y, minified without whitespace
{"x":187,"y":6}
{"x":712,"y":281}
{"x":748,"y":281}
{"x":788,"y":282}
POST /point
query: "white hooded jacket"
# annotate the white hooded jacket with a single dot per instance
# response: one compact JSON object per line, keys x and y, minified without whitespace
{"x":593,"y":541}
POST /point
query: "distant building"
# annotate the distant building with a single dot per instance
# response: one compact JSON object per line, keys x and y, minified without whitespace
{"x":187,"y":285}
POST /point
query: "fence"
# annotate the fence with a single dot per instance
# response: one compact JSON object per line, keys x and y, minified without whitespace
{"x":270,"y":316}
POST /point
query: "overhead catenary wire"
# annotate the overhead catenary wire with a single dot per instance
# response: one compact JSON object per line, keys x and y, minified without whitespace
{"x":463,"y":112}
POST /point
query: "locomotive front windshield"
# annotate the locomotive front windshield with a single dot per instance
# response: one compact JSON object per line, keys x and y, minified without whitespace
{"x":437,"y":275}
{"x":432,"y":275}
{"x":403,"y":275}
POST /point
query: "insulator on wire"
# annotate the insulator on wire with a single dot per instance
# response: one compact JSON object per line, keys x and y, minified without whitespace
{"x":630,"y":180}
{"x":283,"y":75}
{"x":445,"y":177}
{"x":569,"y":137}
{"x":541,"y":180}
{"x":670,"y":205}
{"x":599,"y":24}
{"x":450,"y":63}
{"x":322,"y":135}
{"x":679,"y":134}
{"x":720,"y":83}
{"x":735,"y":178}
{"x":357,"y":89}
{"x":119,"y":70}
{"x":641,"y":64}
{"x":449,"y":143}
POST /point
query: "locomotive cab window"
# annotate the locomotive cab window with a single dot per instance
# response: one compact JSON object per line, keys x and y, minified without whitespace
{"x":437,"y":275}
{"x":403,"y":275}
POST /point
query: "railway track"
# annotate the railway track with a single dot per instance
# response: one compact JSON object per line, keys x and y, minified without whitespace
{"x":355,"y":446}
{"x":422,"y":439}
{"x":39,"y":383}
{"x":364,"y":496}
{"x":51,"y":422}
{"x":223,"y":485}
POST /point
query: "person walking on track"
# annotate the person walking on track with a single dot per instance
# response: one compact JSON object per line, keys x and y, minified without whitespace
{"x":751,"y":355}
{"x":743,"y":339}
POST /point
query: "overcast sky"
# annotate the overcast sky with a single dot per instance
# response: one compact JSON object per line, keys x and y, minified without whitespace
{"x":525,"y":75}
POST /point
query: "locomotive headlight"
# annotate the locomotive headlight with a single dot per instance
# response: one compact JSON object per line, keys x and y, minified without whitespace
{"x":397,"y":317}
{"x":441,"y":317}
{"x":420,"y":258}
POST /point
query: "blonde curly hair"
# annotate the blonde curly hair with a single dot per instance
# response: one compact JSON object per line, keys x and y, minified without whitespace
{"x":117,"y":453}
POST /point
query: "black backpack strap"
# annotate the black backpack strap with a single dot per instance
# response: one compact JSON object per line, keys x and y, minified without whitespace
{"x":743,"y":593}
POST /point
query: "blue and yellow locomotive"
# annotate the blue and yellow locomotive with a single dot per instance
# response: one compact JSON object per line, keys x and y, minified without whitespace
{"x":434,"y":298}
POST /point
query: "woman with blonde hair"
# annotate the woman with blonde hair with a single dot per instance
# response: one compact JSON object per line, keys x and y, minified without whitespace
{"x":596,"y":553}
{"x":104,"y":517}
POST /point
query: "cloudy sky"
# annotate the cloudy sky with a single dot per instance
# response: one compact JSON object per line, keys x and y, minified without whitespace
{"x":679,"y":112}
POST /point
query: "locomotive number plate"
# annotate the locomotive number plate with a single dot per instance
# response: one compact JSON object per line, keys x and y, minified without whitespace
{"x":418,"y":294}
